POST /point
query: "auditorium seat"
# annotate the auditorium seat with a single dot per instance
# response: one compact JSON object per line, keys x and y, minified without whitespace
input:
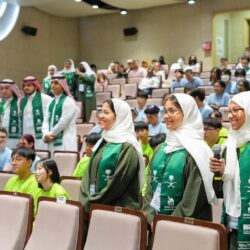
{"x":160,"y":92}
{"x":154,"y":101}
{"x":43,"y":153}
{"x":179,"y":90}
{"x":130,"y":90}
{"x":79,"y":118}
{"x":178,"y":233}
{"x":93,"y":118}
{"x":72,"y":186}
{"x":134,"y":80}
{"x":66,"y":161}
{"x":115,"y":90}
{"x":16,"y":219}
{"x":57,"y":226}
{"x":207,"y":88}
{"x":113,"y":228}
{"x":84,"y":128}
{"x":205,"y":75}
{"x":4,"y":177}
{"x":98,"y":87}
{"x":101,"y":97}
{"x":132,"y":102}
{"x":224,"y":112}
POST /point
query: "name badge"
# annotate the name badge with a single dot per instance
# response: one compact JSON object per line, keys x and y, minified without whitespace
{"x":156,"y":201}
{"x":61,"y":199}
{"x":92,"y":189}
{"x":81,"y":88}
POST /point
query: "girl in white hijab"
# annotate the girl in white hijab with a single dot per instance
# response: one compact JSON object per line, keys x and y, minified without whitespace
{"x":116,"y":171}
{"x":180,"y":176}
{"x":52,"y":70}
{"x":236,"y":177}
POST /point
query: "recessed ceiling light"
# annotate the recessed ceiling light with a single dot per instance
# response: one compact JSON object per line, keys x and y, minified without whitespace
{"x":124,"y":12}
{"x":78,"y":1}
{"x":191,"y":1}
{"x":95,"y":6}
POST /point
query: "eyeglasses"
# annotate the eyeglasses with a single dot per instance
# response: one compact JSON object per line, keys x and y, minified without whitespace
{"x":234,"y":111}
{"x":101,"y":112}
{"x":170,"y":112}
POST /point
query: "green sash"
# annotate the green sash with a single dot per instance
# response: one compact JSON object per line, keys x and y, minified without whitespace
{"x":46,"y":85}
{"x":244,"y":219}
{"x":37,"y":109}
{"x":69,"y":78}
{"x":167,"y":170}
{"x":14,"y":122}
{"x":106,"y":166}
{"x":57,"y":115}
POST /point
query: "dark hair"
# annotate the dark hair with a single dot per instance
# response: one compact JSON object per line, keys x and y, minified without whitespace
{"x":92,"y":138}
{"x":92,"y":65}
{"x":25,"y":152}
{"x":227,"y":72}
{"x":223,"y":59}
{"x":244,"y":58}
{"x":189,"y":71}
{"x":111,"y":105}
{"x":141,"y":125}
{"x":50,"y":164}
{"x":200,"y":93}
{"x":240,"y":72}
{"x":222,"y":84}
{"x":172,"y":98}
{"x":217,"y":72}
{"x":213,"y":122}
{"x":216,"y":113}
{"x":190,"y":60}
{"x":157,"y":139}
{"x":29,"y":138}
{"x":245,"y":84}
{"x":162,"y":60}
{"x":179,"y":70}
{"x":3,"y":130}
{"x":142,"y":95}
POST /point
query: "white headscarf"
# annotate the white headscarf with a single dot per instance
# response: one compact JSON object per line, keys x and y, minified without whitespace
{"x":236,"y":139}
{"x":71,"y":69}
{"x":123,"y":131}
{"x":89,"y":71}
{"x":190,"y":136}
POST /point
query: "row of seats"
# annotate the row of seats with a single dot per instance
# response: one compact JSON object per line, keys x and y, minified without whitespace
{"x":59,"y":225}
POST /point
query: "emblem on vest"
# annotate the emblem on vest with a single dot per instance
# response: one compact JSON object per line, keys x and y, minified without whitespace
{"x":37,"y":112}
{"x":170,"y":202}
{"x":171,"y":181}
{"x":56,"y":118}
{"x":154,"y":176}
{"x":107,"y":174}
{"x":14,"y":113}
{"x":39,"y":122}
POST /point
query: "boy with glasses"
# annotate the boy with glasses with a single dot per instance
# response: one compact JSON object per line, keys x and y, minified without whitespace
{"x":5,"y":152}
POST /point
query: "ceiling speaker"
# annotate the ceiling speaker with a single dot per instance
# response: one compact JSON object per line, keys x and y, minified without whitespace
{"x":130,"y":31}
{"x":30,"y":31}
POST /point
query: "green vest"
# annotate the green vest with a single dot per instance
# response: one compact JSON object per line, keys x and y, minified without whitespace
{"x":37,"y":109}
{"x":13,"y":129}
{"x":104,"y":170}
{"x":167,"y":171}
{"x":69,"y":78}
{"x":57,"y":108}
{"x":244,"y":219}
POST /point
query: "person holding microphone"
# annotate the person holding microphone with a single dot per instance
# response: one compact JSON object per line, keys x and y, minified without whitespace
{"x":234,"y":167}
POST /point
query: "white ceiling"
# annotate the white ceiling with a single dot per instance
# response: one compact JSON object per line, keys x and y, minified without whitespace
{"x":70,"y":8}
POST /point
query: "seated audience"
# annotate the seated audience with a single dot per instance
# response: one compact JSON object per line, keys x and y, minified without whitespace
{"x":192,"y":81}
{"x":212,"y":129}
{"x":240,"y":74}
{"x":145,"y":64}
{"x":180,"y":64}
{"x":130,"y":66}
{"x":102,"y":80}
{"x":91,"y":140}
{"x":5,"y":152}
{"x":112,"y":69}
{"x":24,"y":181}
{"x":199,"y":97}
{"x":193,"y":64}
{"x":28,"y":141}
{"x":141,"y":102}
{"x":224,"y":64}
{"x":179,"y":81}
{"x":48,"y":179}
{"x":154,"y":125}
{"x":137,"y":71}
{"x":243,"y":85}
{"x":244,"y":64}
{"x":231,"y":86}
{"x":215,"y":75}
{"x":219,"y":97}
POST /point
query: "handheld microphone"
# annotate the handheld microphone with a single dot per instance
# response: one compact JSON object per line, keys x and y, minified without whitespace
{"x":217,"y":180}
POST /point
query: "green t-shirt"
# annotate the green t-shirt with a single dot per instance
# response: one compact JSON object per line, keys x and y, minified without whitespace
{"x":27,"y":186}
{"x":55,"y":191}
{"x":81,"y":167}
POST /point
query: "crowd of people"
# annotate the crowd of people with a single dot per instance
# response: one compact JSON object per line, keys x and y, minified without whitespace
{"x":154,"y":158}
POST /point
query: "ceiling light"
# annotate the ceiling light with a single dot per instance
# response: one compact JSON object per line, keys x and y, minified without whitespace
{"x":124,"y":12}
{"x":191,"y":1}
{"x":95,"y":6}
{"x":78,"y":1}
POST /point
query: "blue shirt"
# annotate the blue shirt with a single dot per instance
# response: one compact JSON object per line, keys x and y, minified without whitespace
{"x":33,"y":166}
{"x":231,"y":87}
{"x":194,"y":83}
{"x":205,"y":111}
{"x":178,"y":84}
{"x":5,"y":158}
{"x":160,"y":128}
{"x":96,"y":129}
{"x":219,"y":100}
{"x":141,"y":116}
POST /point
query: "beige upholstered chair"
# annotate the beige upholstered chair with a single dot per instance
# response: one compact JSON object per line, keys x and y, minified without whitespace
{"x":154,"y":101}
{"x":101,"y":97}
{"x":113,"y":228}
{"x":84,"y":128}
{"x":178,"y":233}
{"x":72,"y":186}
{"x":132,"y":102}
{"x":130,"y":90}
{"x":66,"y":161}
{"x":43,"y":153}
{"x":4,"y":177}
{"x":160,"y":92}
{"x":16,"y":218}
{"x":115,"y":90}
{"x":57,"y":226}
